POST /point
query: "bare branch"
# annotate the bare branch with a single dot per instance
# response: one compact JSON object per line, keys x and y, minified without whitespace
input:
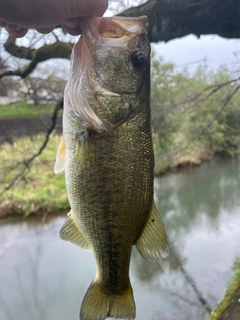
{"x":197,"y":99}
{"x":225,"y":102}
{"x":55,"y":50}
{"x":18,"y":51}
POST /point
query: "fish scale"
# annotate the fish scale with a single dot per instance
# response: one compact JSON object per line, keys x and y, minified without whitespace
{"x":108,"y":158}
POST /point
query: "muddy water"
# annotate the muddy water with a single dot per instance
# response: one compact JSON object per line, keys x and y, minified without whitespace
{"x":45,"y":278}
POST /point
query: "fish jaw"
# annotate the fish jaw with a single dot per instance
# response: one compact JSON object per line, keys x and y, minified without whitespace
{"x":103,"y":93}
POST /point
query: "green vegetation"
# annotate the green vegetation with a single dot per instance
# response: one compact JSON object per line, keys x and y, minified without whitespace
{"x":224,"y":308}
{"x":40,"y":190}
{"x":194,"y":116}
{"x":26,"y":110}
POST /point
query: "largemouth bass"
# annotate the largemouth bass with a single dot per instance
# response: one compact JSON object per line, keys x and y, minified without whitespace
{"x":108,"y":159}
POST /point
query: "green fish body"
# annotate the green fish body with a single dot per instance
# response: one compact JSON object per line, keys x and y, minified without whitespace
{"x":108,"y":159}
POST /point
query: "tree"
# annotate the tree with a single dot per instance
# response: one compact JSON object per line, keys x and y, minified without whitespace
{"x":194,"y":115}
{"x":168,"y":19}
{"x":172,"y":93}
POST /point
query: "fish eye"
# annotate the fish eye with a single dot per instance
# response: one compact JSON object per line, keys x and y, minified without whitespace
{"x":137,"y":59}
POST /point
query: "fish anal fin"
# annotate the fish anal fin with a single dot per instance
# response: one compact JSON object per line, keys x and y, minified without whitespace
{"x":152,"y":242}
{"x":60,"y":157}
{"x":98,"y":305}
{"x":70,"y":232}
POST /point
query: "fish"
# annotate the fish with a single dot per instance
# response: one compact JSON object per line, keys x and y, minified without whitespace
{"x":107,"y":154}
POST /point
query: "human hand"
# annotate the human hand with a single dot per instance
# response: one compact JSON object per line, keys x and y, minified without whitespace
{"x":43,"y":15}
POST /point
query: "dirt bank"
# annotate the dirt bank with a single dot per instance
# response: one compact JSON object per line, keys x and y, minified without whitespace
{"x":11,"y":129}
{"x":232,"y":312}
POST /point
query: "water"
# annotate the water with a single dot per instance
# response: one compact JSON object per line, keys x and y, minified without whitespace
{"x":45,"y":278}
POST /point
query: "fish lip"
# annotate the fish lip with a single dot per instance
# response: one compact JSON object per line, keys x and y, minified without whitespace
{"x":136,"y":25}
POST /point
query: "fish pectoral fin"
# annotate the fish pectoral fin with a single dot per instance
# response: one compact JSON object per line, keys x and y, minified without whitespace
{"x":82,"y":151}
{"x":152,"y":242}
{"x":60,"y":157}
{"x":70,"y":232}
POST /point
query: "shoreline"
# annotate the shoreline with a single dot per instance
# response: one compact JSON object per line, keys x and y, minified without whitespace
{"x":14,"y":209}
{"x":227,"y":309}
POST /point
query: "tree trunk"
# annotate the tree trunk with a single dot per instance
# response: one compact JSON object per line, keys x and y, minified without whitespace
{"x":170,"y":19}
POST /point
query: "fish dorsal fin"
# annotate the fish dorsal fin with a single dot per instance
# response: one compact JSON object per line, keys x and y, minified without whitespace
{"x":70,"y":232}
{"x":60,"y":157}
{"x":152,"y":242}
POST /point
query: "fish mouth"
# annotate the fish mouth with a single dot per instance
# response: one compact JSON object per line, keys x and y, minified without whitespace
{"x":108,"y":32}
{"x":112,"y":32}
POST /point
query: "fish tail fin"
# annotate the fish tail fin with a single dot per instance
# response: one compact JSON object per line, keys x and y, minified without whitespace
{"x":97,"y":305}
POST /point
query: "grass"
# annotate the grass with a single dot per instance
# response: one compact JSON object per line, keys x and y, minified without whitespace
{"x":233,"y":287}
{"x":40,"y":191}
{"x":26,"y":110}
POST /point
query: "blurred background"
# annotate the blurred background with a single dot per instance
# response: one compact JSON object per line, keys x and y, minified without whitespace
{"x":196,"y":134}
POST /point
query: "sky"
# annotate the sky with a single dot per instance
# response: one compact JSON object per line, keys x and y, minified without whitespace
{"x":186,"y":51}
{"x":183,"y":52}
{"x":190,"y":49}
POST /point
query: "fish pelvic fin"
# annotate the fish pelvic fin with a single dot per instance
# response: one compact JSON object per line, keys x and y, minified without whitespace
{"x":70,"y":232}
{"x":60,"y":157}
{"x":82,"y":151}
{"x":97,"y":305}
{"x":152,"y":242}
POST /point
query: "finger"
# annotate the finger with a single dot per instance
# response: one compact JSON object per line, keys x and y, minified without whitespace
{"x":16,"y":31}
{"x":2,"y":24}
{"x":89,"y":8}
{"x":44,"y":30}
{"x":100,"y":7}
{"x":72,"y":26}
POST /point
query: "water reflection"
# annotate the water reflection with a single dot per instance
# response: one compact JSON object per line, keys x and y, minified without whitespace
{"x":184,"y":198}
{"x":43,"y":277}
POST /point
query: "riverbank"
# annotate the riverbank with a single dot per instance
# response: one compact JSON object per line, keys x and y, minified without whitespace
{"x":229,"y":307}
{"x":201,"y":213}
{"x":41,"y":193}
{"x":30,"y":187}
{"x":15,"y":128}
{"x":181,"y":162}
{"x":29,"y":126}
{"x":33,"y":188}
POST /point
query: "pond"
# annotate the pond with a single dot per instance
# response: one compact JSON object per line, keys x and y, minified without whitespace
{"x":45,"y":278}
